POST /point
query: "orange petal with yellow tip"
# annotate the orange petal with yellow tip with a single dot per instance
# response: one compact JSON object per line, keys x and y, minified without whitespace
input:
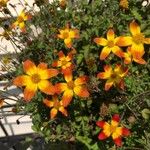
{"x":46,"y":87}
{"x":110,"y":35}
{"x":60,"y":87}
{"x":81,"y":91}
{"x":21,"y":80}
{"x":53,"y":113}
{"x":137,"y":50}
{"x":48,"y":103}
{"x":140,"y":61}
{"x":29,"y":92}
{"x":29,"y":67}
{"x":68,"y":42}
{"x":81,"y":80}
{"x":108,"y":84}
{"x":67,"y":74}
{"x":103,"y":75}
{"x":134,"y":28}
{"x":63,"y":111}
{"x":100,"y":41}
{"x":124,"y":41}
{"x":67,"y":97}
{"x":105,"y":52}
{"x":42,"y":66}
{"x":117,"y":51}
{"x":147,"y":40}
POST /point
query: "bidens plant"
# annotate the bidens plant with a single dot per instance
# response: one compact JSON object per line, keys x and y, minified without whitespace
{"x":79,"y":63}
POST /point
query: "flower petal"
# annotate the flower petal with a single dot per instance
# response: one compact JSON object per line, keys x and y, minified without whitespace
{"x":68,"y":42}
{"x":67,"y":97}
{"x":108,"y":84}
{"x":117,"y":51}
{"x":53,"y":113}
{"x":147,"y":40}
{"x":63,"y":111}
{"x":22,"y":27}
{"x":116,"y":117}
{"x":134,"y":28}
{"x":140,"y":61}
{"x":21,"y":80}
{"x":29,"y":92}
{"x":67,"y":74}
{"x":102,"y":136}
{"x":117,"y":133}
{"x":60,"y":87}
{"x":125,"y":131}
{"x":46,"y":87}
{"x":124,"y":41}
{"x":118,"y":141}
{"x":100,"y":41}
{"x":81,"y":91}
{"x":29,"y":67}
{"x":81,"y":80}
{"x":110,"y":35}
{"x":105,"y":52}
{"x":101,"y":124}
{"x":137,"y":50}
{"x":48,"y":103}
{"x":61,"y":55}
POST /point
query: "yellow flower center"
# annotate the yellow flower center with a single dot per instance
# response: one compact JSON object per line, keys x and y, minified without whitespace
{"x":110,"y":44}
{"x":70,"y":84}
{"x":112,"y":128}
{"x":20,"y":19}
{"x":65,"y":35}
{"x":138,"y":38}
{"x":64,"y":62}
{"x":35,"y":78}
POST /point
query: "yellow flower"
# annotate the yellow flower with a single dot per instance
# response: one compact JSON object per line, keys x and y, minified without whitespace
{"x":113,"y":130}
{"x":67,"y":35}
{"x":20,"y":22}
{"x":56,"y":106}
{"x":114,"y":76}
{"x":109,"y":45}
{"x":35,"y":78}
{"x":128,"y":58}
{"x":136,"y":41}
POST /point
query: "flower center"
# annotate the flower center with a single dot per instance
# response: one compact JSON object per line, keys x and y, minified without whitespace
{"x":65,"y":35}
{"x":113,"y":75}
{"x":20,"y":19}
{"x":110,"y":44}
{"x":70,"y":84}
{"x":35,"y":78}
{"x":138,"y":38}
{"x":112,"y":129}
{"x":64,"y":62}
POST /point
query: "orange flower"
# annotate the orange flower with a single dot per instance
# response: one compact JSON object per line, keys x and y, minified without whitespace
{"x":3,"y":3}
{"x":64,"y":61}
{"x":71,"y":87}
{"x":109,"y":45}
{"x":113,"y":130}
{"x":128,"y":58}
{"x":35,"y":78}
{"x":114,"y":77}
{"x":67,"y":35}
{"x":136,"y":42}
{"x":20,"y":22}
{"x":124,"y":4}
{"x":57,"y":106}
